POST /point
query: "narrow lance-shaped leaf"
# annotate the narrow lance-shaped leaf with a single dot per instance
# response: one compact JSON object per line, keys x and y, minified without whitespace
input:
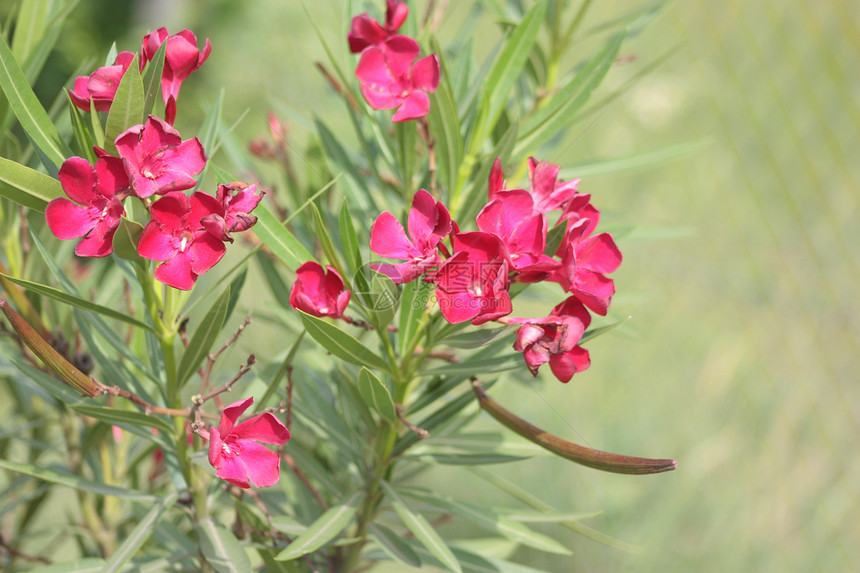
{"x":30,"y":113}
{"x":27,"y":186}
{"x":340,"y":343}
{"x":127,"y":107}
{"x":71,"y":480}
{"x":152,"y":79}
{"x":376,"y":395}
{"x":279,"y":239}
{"x":422,"y":530}
{"x":73,"y":300}
{"x":203,"y":338}
{"x":53,"y":359}
{"x":323,"y":530}
{"x":596,"y":459}
{"x":83,"y":140}
{"x":138,"y":536}
{"x":394,"y":545}
{"x":445,"y":129}
{"x":221,"y":548}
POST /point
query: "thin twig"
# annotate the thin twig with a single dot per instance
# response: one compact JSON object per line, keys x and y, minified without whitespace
{"x":244,"y":369}
{"x":15,"y":554}
{"x":288,"y":459}
{"x":420,"y":432}
{"x":147,"y":407}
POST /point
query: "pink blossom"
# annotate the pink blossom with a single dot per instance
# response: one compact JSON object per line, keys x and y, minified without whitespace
{"x":318,"y":292}
{"x":585,"y":262}
{"x":365,"y":31}
{"x":100,"y":86}
{"x":176,"y":235}
{"x":429,"y":222}
{"x":237,"y":201}
{"x":234,"y":450}
{"x":473,"y":283}
{"x":157,"y":160}
{"x":181,"y":58}
{"x":511,"y":216}
{"x":97,"y":209}
{"x":548,"y":191}
{"x":554,"y":339}
{"x":390,"y":77}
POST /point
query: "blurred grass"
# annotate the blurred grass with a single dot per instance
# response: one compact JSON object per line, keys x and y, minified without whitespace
{"x":742,"y":356}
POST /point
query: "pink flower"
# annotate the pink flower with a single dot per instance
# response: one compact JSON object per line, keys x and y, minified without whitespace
{"x":511,"y":216}
{"x":318,"y":292}
{"x":429,"y":222}
{"x":100,"y":86}
{"x":473,"y":283}
{"x":235,"y":453}
{"x":181,"y":58}
{"x":366,"y":31}
{"x":549,"y":193}
{"x":157,"y":160}
{"x":390,"y":78}
{"x":554,"y":339}
{"x":237,"y":201}
{"x":585,"y":262}
{"x":97,"y":193}
{"x":176,"y":235}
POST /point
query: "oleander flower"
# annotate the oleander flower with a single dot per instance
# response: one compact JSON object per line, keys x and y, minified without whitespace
{"x":390,"y":78}
{"x":319,"y":292}
{"x":181,"y":59}
{"x":548,"y":191}
{"x":157,"y":160}
{"x":429,"y":222}
{"x":365,"y":31}
{"x":234,"y":450}
{"x":176,"y":235}
{"x":473,"y":283}
{"x":95,"y":209}
{"x":555,"y":339}
{"x":100,"y":86}
{"x":237,"y":200}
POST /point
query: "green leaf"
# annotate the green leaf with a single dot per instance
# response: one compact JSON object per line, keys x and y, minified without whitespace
{"x":506,"y":69}
{"x":482,"y":366}
{"x":209,"y":129}
{"x":423,"y":531}
{"x":52,"y":385}
{"x":30,"y":26}
{"x":631,"y":163}
{"x":323,"y":530}
{"x":138,"y":536}
{"x":27,"y":186}
{"x":125,"y":241}
{"x":595,"y":332}
{"x":30,"y":113}
{"x":416,"y":295}
{"x":325,"y":241}
{"x":383,"y":299}
{"x":87,"y":565}
{"x":117,"y":416}
{"x":445,"y":129}
{"x":356,"y":186}
{"x":464,"y":459}
{"x":203,"y":338}
{"x":555,"y":517}
{"x":279,"y":288}
{"x":393,"y":545}
{"x":71,"y":480}
{"x":558,"y":112}
{"x":152,"y":79}
{"x":73,"y":300}
{"x":468,"y":204}
{"x":83,"y":139}
{"x":221,"y":548}
{"x":127,"y":107}
{"x":340,"y":343}
{"x":376,"y":395}
{"x":96,"y":123}
{"x":349,"y":238}
{"x":279,"y":239}
{"x":491,"y":520}
{"x":477,"y":338}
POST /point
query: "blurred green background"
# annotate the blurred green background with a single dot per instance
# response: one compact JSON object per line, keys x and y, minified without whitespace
{"x":741,"y":268}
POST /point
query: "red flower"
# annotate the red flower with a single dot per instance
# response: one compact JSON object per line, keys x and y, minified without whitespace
{"x":98,"y":192}
{"x":235,"y":453}
{"x":548,"y":192}
{"x":366,"y":31}
{"x":390,"y":78}
{"x":181,"y":58}
{"x":318,"y":292}
{"x":554,"y":339}
{"x":101,"y":85}
{"x":237,"y":201}
{"x":429,"y":222}
{"x":473,"y":283}
{"x":511,"y":216}
{"x":157,"y":160}
{"x":176,"y":235}
{"x":585,"y":262}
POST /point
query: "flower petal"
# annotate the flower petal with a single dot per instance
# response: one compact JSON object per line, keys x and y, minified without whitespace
{"x":262,"y":464}
{"x":231,"y":413}
{"x":233,"y":470}
{"x":416,"y":105}
{"x":263,"y":428}
{"x":69,"y":221}
{"x":177,"y":272}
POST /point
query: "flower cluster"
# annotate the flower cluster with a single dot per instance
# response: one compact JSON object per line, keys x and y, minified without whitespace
{"x":188,"y":235}
{"x":473,"y":276}
{"x":389,"y":72}
{"x":181,"y":58}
